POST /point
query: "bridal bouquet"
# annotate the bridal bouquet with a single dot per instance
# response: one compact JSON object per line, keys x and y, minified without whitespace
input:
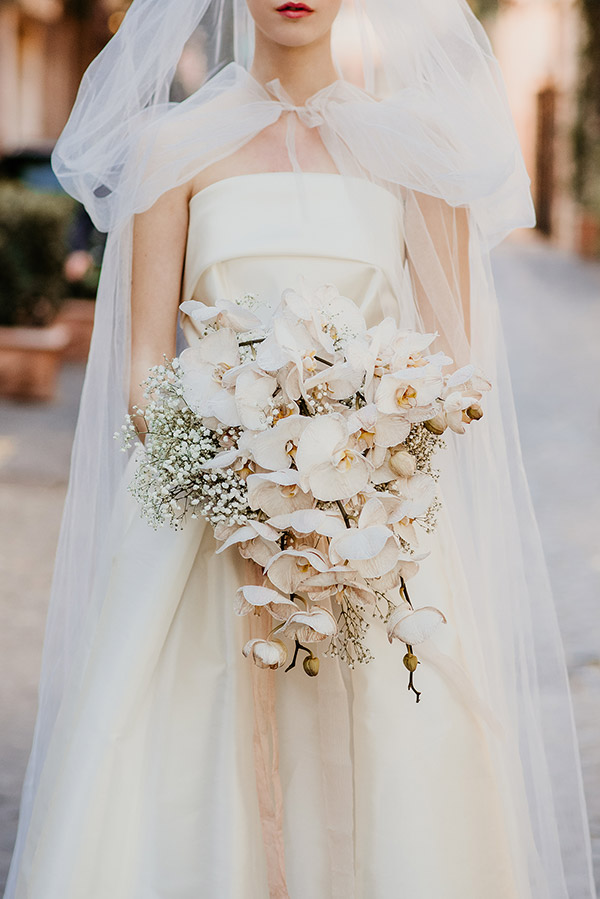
{"x":306,"y":440}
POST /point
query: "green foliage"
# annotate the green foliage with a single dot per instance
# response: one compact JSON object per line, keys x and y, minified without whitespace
{"x":586,"y":131}
{"x":484,"y":8}
{"x":33,"y":248}
{"x":87,"y":288}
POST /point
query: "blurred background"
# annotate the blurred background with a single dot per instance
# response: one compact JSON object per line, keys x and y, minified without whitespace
{"x":548,"y":282}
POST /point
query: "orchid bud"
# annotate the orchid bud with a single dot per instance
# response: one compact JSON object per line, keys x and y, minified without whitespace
{"x":437,"y":424}
{"x":475,"y":412}
{"x":311,"y":665}
{"x":410,"y":661}
{"x":403,"y":463}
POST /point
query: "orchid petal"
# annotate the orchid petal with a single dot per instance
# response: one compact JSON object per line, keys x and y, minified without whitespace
{"x":248,"y":532}
{"x":373,"y":512}
{"x":310,"y":626}
{"x":360,"y":543}
{"x":250,"y":597}
{"x":321,"y":438}
{"x":275,"y":494}
{"x":271,"y":448}
{"x":391,"y":430}
{"x":305,"y":521}
{"x":266,"y":653}
{"x":286,"y":572}
{"x":337,"y":482}
{"x":414,"y":626}
{"x":219,"y":348}
{"x":253,"y":391}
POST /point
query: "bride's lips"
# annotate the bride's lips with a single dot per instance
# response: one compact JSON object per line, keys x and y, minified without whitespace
{"x":294,"y":10}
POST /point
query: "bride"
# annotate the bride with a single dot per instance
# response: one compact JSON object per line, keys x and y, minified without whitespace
{"x":164,"y":763}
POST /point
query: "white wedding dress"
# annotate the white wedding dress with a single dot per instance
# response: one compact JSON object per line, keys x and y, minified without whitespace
{"x":149,"y":789}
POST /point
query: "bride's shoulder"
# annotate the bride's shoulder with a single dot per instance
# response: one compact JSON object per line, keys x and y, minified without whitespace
{"x":171,"y":142}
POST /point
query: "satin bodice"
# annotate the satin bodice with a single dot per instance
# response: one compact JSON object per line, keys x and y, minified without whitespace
{"x":260,"y":233}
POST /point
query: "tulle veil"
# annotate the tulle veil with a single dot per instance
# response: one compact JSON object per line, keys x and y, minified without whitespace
{"x":429,"y":121}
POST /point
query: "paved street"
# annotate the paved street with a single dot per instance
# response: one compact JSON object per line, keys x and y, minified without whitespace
{"x":551,"y":309}
{"x":35,"y":443}
{"x":550,"y":304}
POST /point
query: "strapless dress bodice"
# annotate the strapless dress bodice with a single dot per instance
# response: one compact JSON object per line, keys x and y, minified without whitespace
{"x":260,"y":233}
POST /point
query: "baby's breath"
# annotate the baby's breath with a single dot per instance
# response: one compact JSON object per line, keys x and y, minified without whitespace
{"x":348,"y":644}
{"x":171,"y":482}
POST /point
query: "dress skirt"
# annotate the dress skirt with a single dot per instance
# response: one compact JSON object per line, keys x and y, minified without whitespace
{"x":179,"y":770}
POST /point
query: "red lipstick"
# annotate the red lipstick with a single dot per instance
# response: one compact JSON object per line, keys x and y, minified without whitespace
{"x":294,"y":10}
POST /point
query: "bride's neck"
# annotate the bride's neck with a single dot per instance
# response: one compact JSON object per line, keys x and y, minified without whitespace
{"x":302,"y":71}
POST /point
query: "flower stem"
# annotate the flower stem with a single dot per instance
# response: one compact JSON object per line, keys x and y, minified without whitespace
{"x":251,"y":342}
{"x":405,"y":591}
{"x":340,"y":506}
{"x":295,"y":656}
{"x":411,"y":674}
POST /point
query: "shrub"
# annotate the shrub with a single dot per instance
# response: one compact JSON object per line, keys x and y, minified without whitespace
{"x":33,"y":247}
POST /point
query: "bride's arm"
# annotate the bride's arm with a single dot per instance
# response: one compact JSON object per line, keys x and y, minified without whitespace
{"x":440,"y":267}
{"x":159,"y":239}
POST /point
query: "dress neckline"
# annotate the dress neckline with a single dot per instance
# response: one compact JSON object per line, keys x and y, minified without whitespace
{"x":196,"y":199}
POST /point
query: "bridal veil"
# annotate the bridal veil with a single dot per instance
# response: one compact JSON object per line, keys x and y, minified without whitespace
{"x":428,"y":121}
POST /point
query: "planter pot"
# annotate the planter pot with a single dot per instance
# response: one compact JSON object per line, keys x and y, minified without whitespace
{"x":30,"y":360}
{"x":589,"y":236}
{"x":78,"y":317}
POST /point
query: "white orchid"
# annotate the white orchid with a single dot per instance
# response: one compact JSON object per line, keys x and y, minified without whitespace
{"x":255,"y":540}
{"x":251,"y":598}
{"x":371,"y":548}
{"x":308,"y":521}
{"x":409,"y":347}
{"x":203,"y":367}
{"x":277,"y":492}
{"x":288,"y":568}
{"x":329,"y":467}
{"x":219,"y":349}
{"x":337,"y":381}
{"x":469,"y":378}
{"x":266,"y":653}
{"x":274,"y":449}
{"x":387,"y":349}
{"x":224,"y":314}
{"x":310,"y":626}
{"x":377,"y":432}
{"x":253,"y":394}
{"x":410,"y":392}
{"x":414,"y":626}
{"x":462,"y":391}
{"x":455,"y":410}
{"x":288,"y":341}
{"x":328,"y":316}
{"x":341,"y":581}
{"x":417,"y":493}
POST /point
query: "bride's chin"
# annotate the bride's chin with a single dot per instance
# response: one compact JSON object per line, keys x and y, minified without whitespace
{"x":294,"y":37}
{"x":294,"y":31}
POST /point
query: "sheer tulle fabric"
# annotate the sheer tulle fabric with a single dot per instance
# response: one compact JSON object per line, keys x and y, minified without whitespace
{"x":429,"y":123}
